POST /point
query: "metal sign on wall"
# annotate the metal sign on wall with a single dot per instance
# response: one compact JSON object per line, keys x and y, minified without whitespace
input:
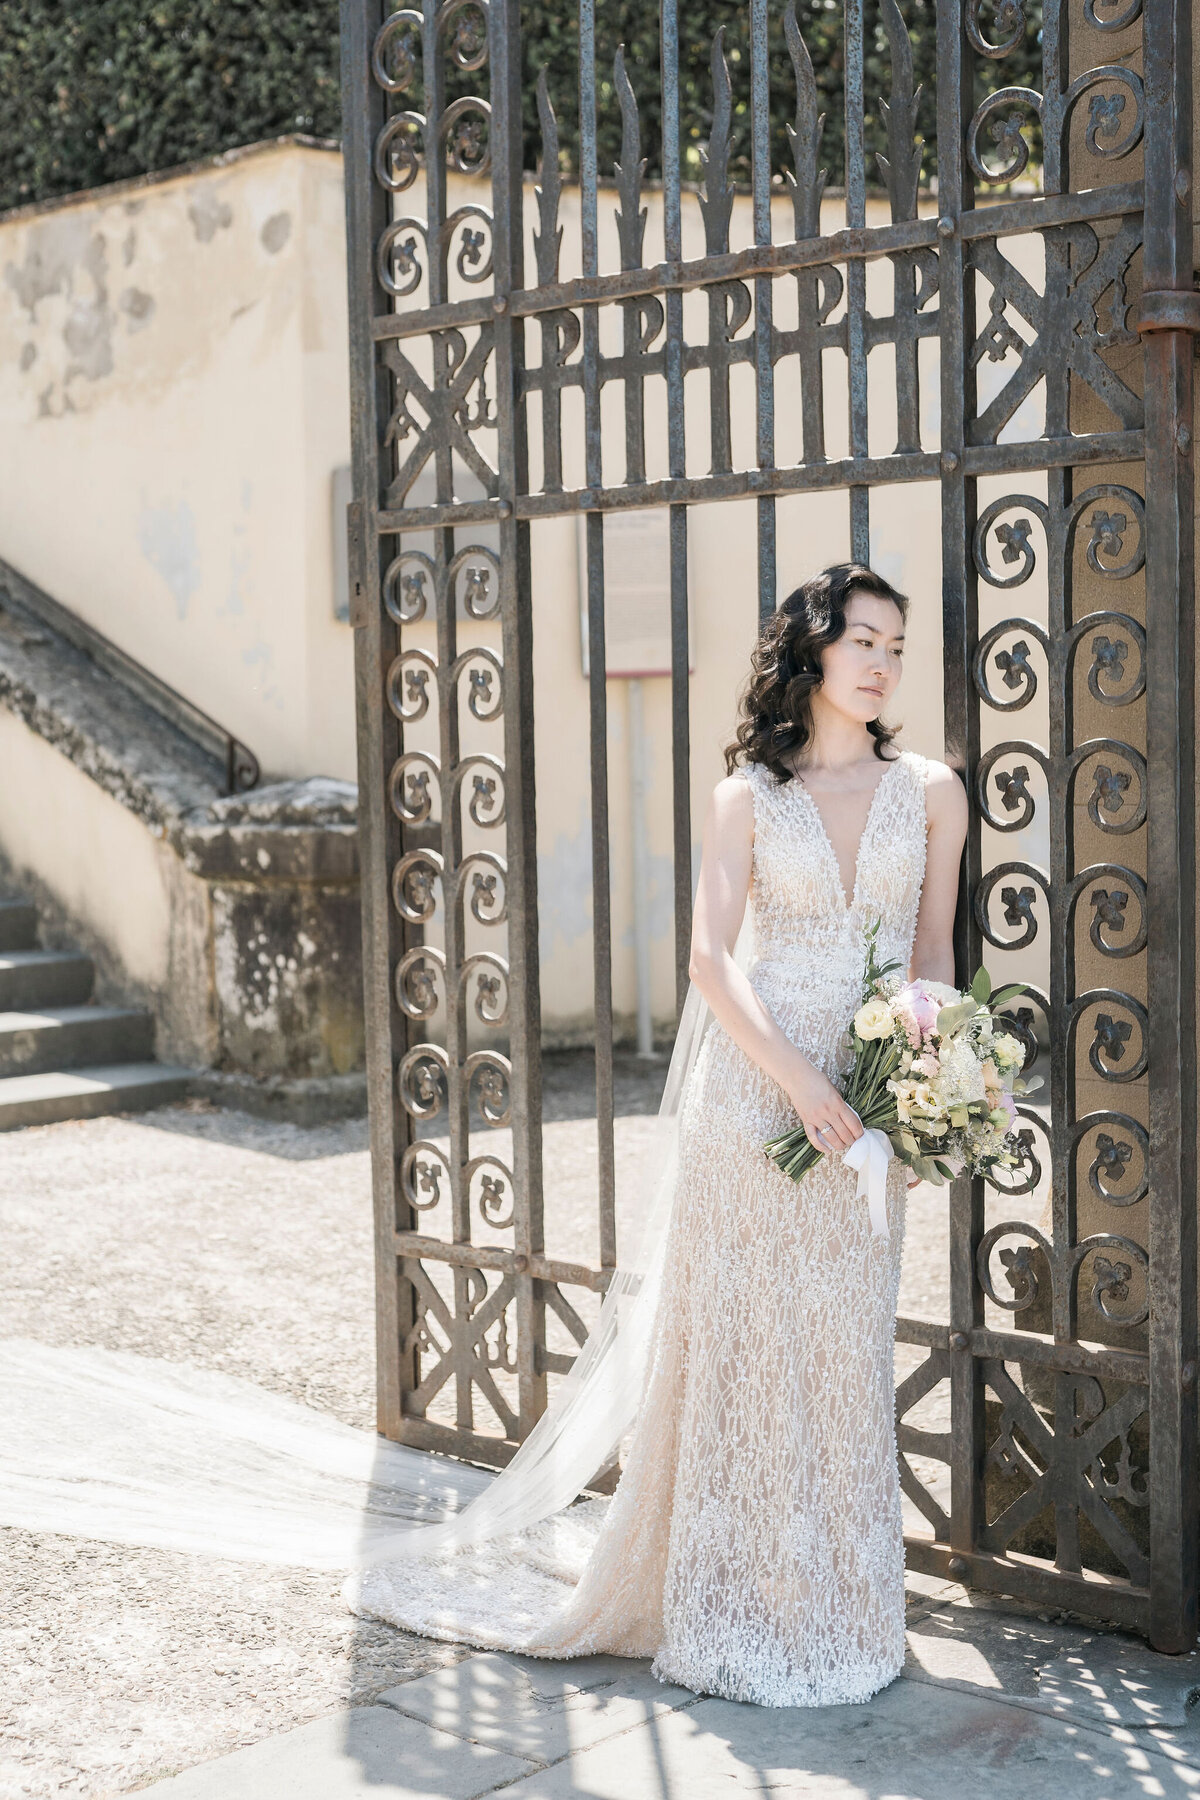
{"x":1067,"y":1359}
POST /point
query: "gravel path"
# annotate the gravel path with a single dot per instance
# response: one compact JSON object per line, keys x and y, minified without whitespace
{"x":212,"y":1238}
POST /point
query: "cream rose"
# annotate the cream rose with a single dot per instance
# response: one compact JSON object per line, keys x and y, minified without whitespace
{"x":874,"y":1020}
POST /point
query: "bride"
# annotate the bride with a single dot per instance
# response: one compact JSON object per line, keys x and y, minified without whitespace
{"x":753,"y":1546}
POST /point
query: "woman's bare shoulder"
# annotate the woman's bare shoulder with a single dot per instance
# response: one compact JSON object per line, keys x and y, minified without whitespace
{"x":945,"y":795}
{"x":733,"y":796}
{"x":939,"y":773}
{"x":731,"y":805}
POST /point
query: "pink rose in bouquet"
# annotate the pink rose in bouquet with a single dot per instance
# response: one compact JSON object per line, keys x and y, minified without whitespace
{"x":917,"y":1011}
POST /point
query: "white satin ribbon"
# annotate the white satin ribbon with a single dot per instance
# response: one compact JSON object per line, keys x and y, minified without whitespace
{"x":870,"y":1154}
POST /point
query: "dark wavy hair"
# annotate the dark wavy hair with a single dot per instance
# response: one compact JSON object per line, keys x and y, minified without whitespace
{"x":785,"y":668}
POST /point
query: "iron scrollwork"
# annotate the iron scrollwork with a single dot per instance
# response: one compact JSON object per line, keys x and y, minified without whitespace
{"x":1119,"y":1163}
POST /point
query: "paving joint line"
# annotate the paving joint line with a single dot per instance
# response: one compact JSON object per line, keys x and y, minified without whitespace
{"x":624,"y":1731}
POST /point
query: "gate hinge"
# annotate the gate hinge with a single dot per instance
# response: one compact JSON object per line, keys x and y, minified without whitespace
{"x":1170,"y":309}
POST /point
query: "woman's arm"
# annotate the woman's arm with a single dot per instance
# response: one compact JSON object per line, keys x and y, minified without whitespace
{"x":721,"y":895}
{"x":946,"y":811}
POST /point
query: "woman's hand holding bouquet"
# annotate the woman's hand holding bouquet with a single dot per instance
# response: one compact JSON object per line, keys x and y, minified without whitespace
{"x":821,"y":1108}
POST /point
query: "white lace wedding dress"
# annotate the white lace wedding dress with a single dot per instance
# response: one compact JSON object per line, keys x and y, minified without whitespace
{"x":753,"y":1546}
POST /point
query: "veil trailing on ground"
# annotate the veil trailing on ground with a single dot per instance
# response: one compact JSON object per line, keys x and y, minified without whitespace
{"x":130,"y":1449}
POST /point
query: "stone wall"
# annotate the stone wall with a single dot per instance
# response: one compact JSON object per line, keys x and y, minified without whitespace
{"x":236,"y":921}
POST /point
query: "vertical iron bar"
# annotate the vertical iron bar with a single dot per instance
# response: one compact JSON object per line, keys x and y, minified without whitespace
{"x":457,"y":1094}
{"x":1059,"y":584}
{"x":1063,"y":982}
{"x":1055,"y":21}
{"x":598,"y":692}
{"x":1171,"y":847}
{"x":764,"y":369}
{"x":959,"y":632}
{"x":379,"y":732}
{"x":856,"y":273}
{"x":681,"y":793}
{"x":516,"y":615}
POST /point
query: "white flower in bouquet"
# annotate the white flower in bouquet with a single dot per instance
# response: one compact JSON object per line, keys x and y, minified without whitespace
{"x":1007,"y":1052}
{"x":960,"y":1076}
{"x":874,"y":1020}
{"x":902,"y":1093}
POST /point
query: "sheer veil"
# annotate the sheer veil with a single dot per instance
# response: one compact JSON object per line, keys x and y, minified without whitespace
{"x":135,"y":1450}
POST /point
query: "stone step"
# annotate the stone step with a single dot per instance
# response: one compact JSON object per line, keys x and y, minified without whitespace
{"x":18,"y":925}
{"x":30,"y":979}
{"x":55,"y":1095}
{"x":63,"y":1037}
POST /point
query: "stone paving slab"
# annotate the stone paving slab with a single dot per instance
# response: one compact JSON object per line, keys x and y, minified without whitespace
{"x":1082,"y":1672}
{"x":538,"y":1709}
{"x":910,"y":1742}
{"x":369,"y":1753}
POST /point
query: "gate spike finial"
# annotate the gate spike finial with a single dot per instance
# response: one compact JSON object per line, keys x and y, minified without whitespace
{"x":716,"y":202}
{"x":807,"y":185}
{"x":901,"y":167}
{"x":548,"y":241}
{"x":631,"y":223}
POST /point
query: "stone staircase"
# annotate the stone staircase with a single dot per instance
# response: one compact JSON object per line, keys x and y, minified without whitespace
{"x":62,"y":1055}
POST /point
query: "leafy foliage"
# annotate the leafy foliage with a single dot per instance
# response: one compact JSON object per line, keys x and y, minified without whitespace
{"x":96,"y":90}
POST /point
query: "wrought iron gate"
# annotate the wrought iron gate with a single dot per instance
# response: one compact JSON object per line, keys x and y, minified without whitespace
{"x":1070,"y":1348}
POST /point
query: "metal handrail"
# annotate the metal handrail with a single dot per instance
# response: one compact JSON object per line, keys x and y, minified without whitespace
{"x":242,"y":771}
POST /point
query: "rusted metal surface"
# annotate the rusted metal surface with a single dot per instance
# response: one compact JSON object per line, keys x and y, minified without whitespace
{"x":1070,"y":1349}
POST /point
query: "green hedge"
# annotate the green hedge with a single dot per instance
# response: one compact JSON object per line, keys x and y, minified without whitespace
{"x":96,"y":90}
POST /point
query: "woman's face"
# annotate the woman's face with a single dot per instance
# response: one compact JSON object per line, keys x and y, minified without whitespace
{"x":860,"y":672}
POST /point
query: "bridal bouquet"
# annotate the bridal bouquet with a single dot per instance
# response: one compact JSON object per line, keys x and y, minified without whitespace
{"x":934,"y":1072}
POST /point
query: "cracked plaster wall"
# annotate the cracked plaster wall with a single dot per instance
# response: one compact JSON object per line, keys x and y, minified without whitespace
{"x":173,"y":378}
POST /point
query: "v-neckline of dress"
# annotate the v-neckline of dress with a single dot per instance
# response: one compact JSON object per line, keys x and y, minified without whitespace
{"x":847,"y":905}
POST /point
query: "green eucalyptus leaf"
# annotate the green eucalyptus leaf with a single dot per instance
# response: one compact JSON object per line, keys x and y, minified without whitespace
{"x":1004,"y":994}
{"x":952,"y":1017}
{"x":981,"y":987}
